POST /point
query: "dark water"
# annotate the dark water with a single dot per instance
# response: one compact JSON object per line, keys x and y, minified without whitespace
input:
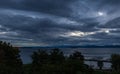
{"x":89,"y":53}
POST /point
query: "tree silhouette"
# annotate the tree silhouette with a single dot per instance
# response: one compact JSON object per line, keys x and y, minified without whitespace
{"x":56,"y":56}
{"x":115,"y":60}
{"x":78,"y":56}
{"x":9,"y":59}
{"x":54,"y":62}
{"x":76,"y":61}
{"x":100,"y":64}
{"x":40,"y":57}
{"x":47,"y":62}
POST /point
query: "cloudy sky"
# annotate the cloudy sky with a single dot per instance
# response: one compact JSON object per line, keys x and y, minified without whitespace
{"x":60,"y":22}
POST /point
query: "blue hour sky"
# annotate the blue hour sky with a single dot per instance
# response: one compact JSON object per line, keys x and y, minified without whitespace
{"x":60,"y":22}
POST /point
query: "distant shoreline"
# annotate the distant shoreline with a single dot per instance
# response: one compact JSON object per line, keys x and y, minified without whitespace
{"x":76,"y":46}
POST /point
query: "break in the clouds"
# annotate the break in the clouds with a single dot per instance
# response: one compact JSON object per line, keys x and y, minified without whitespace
{"x":60,"y":22}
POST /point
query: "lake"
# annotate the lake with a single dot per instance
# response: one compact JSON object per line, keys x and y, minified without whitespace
{"x":89,"y":53}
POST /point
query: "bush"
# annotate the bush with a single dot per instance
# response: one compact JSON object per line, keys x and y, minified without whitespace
{"x":10,"y":62}
{"x":115,"y":60}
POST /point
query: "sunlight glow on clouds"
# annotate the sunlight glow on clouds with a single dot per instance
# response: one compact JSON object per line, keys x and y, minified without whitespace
{"x":83,"y":34}
{"x":101,"y":14}
{"x":80,"y":34}
{"x":3,"y":33}
{"x":77,"y":34}
{"x":54,"y":22}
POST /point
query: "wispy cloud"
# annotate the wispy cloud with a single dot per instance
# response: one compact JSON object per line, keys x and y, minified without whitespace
{"x":53,"y":22}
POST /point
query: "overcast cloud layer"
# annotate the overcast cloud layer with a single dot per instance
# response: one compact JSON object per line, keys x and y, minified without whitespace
{"x":60,"y":22}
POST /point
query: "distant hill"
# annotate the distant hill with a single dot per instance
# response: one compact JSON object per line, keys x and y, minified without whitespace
{"x":76,"y":46}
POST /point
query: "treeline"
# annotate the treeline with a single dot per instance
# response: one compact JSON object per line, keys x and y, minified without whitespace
{"x":54,"y":62}
{"x":43,"y":62}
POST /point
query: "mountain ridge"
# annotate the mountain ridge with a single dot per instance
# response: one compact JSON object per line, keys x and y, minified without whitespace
{"x":75,"y":46}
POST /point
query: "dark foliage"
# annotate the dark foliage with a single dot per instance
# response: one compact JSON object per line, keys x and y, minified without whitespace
{"x":115,"y":60}
{"x":100,"y":64}
{"x":55,"y":62}
{"x":56,"y":56}
{"x":10,"y":62}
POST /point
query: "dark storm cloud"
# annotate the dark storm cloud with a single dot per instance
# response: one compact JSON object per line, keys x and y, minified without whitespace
{"x":115,"y":23}
{"x":60,"y":22}
{"x":111,"y":2}
{"x":29,"y":24}
{"x":111,"y":6}
{"x":40,"y":30}
{"x":55,"y":7}
{"x":60,"y":7}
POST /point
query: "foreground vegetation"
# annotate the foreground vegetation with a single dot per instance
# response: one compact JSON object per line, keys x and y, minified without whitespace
{"x":53,"y":62}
